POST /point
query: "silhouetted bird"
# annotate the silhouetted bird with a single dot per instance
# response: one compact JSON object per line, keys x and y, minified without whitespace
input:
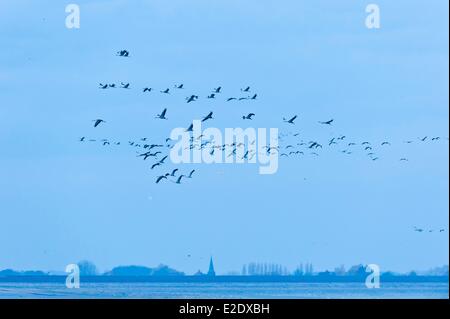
{"x":327,"y":122}
{"x":156,"y":164}
{"x":123,"y":53}
{"x":190,"y":174}
{"x":207,"y":117}
{"x":291,"y":121}
{"x":160,"y":178}
{"x":163,"y":159}
{"x":191,"y":98}
{"x":97,"y":122}
{"x":162,"y":116}
{"x":166,"y":91}
{"x":179,"y":179}
{"x":125,"y":85}
{"x":249,"y":116}
{"x":147,"y":90}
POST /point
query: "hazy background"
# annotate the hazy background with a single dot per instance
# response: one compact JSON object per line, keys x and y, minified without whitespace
{"x":62,"y":201}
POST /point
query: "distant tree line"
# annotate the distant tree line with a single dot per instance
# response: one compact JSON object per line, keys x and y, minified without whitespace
{"x":88,"y":268}
{"x":264,"y":269}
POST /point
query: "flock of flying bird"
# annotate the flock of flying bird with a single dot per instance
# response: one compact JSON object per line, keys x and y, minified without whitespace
{"x":299,"y":147}
{"x":191,"y":98}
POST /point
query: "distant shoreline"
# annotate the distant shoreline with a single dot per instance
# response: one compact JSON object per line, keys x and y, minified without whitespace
{"x":222,"y":279}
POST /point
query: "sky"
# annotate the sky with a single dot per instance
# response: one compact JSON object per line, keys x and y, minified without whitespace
{"x":62,"y":201}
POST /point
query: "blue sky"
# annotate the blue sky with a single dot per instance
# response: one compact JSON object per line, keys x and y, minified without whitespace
{"x":62,"y":201}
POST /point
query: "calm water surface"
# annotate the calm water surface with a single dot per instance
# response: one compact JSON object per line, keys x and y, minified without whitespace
{"x":224,"y":290}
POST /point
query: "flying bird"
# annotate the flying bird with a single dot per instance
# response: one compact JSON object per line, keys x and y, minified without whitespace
{"x":97,"y":122}
{"x":123,"y":53}
{"x":327,"y":122}
{"x":191,"y":98}
{"x":162,"y":116}
{"x":156,"y":164}
{"x":179,"y":179}
{"x":163,"y":159}
{"x":125,"y":85}
{"x":248,"y":116}
{"x":160,"y":178}
{"x":190,"y":174}
{"x":207,"y":117}
{"x":291,"y":121}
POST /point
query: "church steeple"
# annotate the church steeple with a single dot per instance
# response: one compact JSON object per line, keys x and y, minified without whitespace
{"x":211,"y":271}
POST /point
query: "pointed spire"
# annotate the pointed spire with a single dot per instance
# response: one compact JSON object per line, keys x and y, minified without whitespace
{"x":211,"y":271}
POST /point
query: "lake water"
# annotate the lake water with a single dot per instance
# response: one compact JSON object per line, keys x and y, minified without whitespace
{"x":224,"y":290}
